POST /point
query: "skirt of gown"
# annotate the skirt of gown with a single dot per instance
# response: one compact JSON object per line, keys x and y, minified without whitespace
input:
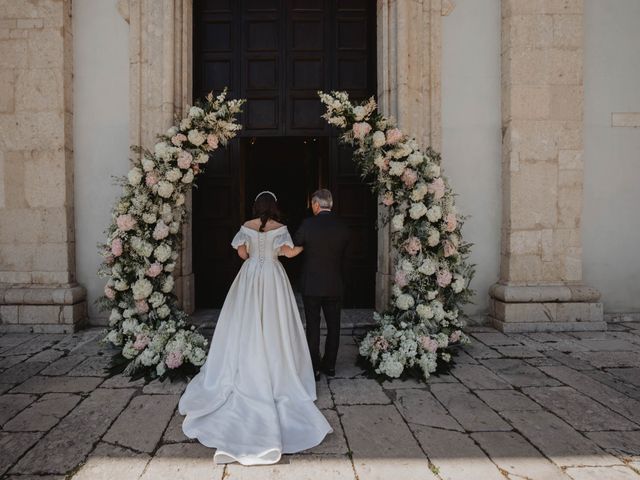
{"x":253,"y":398}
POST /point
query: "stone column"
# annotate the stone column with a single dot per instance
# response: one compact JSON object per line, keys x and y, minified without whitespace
{"x":160,"y":55}
{"x":540,"y":287}
{"x":409,"y":57}
{"x":38,"y":289}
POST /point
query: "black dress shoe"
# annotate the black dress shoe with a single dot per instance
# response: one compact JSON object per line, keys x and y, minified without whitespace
{"x":330,"y":372}
{"x":316,"y":374}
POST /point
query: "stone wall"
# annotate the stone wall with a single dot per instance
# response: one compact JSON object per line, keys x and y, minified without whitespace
{"x":38,"y":289}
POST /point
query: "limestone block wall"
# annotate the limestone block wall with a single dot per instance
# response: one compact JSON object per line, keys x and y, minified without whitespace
{"x":38,"y":289}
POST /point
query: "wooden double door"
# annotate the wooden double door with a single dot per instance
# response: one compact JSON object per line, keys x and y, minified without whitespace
{"x":277,"y":54}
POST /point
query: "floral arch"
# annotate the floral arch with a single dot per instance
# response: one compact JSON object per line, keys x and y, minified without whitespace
{"x":432,"y":275}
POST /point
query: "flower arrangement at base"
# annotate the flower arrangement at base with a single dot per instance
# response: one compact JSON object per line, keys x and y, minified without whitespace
{"x":152,"y":333}
{"x":423,"y":322}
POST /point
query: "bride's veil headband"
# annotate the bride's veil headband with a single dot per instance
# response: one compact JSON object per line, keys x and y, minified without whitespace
{"x":270,"y":193}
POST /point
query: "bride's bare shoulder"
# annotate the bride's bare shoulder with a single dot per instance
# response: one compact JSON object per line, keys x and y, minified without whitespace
{"x":255,"y":223}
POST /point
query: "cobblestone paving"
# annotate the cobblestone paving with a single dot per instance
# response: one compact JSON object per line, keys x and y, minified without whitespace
{"x":518,"y":406}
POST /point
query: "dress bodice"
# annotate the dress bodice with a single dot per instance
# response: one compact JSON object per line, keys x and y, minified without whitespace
{"x":262,"y":246}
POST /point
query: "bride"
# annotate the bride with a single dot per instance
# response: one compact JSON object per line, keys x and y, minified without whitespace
{"x":253,"y":398}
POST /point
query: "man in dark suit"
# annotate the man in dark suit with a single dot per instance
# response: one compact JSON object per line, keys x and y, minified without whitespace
{"x":324,"y":238}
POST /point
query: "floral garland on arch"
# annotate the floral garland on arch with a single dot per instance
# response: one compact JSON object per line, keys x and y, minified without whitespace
{"x":143,"y":240}
{"x":423,"y":321}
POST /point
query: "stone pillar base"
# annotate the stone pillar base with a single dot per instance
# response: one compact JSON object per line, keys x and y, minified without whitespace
{"x":42,"y":309}
{"x":545,"y":308}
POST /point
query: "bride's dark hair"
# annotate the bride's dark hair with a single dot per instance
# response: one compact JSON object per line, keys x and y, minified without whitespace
{"x":266,"y":208}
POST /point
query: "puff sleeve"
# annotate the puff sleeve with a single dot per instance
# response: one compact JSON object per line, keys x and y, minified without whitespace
{"x":241,"y":238}
{"x":281,"y":239}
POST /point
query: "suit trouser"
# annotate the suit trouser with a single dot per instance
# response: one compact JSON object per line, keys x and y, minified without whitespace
{"x":331,"y":308}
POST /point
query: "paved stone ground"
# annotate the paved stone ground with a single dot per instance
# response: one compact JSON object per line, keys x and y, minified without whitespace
{"x":518,"y":406}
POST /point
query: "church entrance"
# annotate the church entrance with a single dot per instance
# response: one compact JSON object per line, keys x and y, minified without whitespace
{"x":277,"y":54}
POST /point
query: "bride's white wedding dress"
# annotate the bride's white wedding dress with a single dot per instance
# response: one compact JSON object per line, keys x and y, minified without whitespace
{"x":253,"y":398}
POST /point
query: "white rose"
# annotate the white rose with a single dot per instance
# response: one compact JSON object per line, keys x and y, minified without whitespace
{"x":396,"y":168}
{"x":404,"y":301}
{"x":458,"y":283}
{"x":172,"y":131}
{"x":156,"y":299}
{"x":202,"y":157}
{"x":401,"y":150}
{"x":167,"y":286}
{"x":434,"y":170}
{"x":180,"y":199}
{"x":162,"y":252}
{"x":188,"y":177}
{"x":406,"y":265}
{"x":359,"y":113}
{"x":419,"y":191}
{"x":428,"y":267}
{"x":174,"y":175}
{"x":185,"y":124}
{"x":141,"y":289}
{"x":165,"y":189}
{"x":417,"y":210}
{"x":378,"y":139}
{"x":121,"y":285}
{"x":438,"y":311}
{"x":149,"y":218}
{"x":134,"y":176}
{"x":397,"y":222}
{"x":163,"y":311}
{"x":434,"y":213}
{"x":196,"y":137}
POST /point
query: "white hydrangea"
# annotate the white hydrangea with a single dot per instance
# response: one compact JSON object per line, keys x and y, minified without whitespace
{"x":415,"y":159}
{"x":121,"y":285}
{"x":188,"y":177}
{"x":378,"y":139}
{"x":161,"y":369}
{"x":134,"y":176}
{"x":169,"y":267}
{"x":115,"y":337}
{"x":129,"y":326}
{"x":156,"y":299}
{"x":128,"y":351}
{"x":434,"y":213}
{"x":418,"y":210}
{"x":404,"y":301}
{"x":401,"y":150}
{"x":390,"y":366}
{"x":406,"y":265}
{"x":428,"y":363}
{"x":458,"y":283}
{"x":433,"y":237}
{"x":359,"y":112}
{"x":180,"y":198}
{"x":202,"y":157}
{"x":196,"y":112}
{"x":149,"y":218}
{"x":141,"y":289}
{"x":397,"y":222}
{"x":434,"y":170}
{"x":171,"y":131}
{"x":396,"y":168}
{"x":425,"y":312}
{"x":185,"y":124}
{"x":438,"y":310}
{"x":149,"y":357}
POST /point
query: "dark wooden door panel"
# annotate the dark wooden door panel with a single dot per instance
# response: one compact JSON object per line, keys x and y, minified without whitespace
{"x":277,"y":54}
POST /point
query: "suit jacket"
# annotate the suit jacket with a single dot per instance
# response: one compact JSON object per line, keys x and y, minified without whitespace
{"x":324,"y":238}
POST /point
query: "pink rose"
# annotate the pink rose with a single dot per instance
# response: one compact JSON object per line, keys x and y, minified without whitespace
{"x":151,"y":179}
{"x":451,"y":221}
{"x":360,"y":129}
{"x":142,"y":340}
{"x":212,"y":141}
{"x":455,"y":336}
{"x":412,"y":245}
{"x":109,"y":292}
{"x":116,"y":247}
{"x":142,"y":306}
{"x":387,"y":199}
{"x":178,"y":139}
{"x":393,"y":136}
{"x":125,"y":222}
{"x":409,"y":177}
{"x":443,"y":278}
{"x":436,"y":188}
{"x":429,"y":344}
{"x":184,"y":159}
{"x":449,"y":248}
{"x":154,"y":270}
{"x":401,"y":278}
{"x":174,"y":359}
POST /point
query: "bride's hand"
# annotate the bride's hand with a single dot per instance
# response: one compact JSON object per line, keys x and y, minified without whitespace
{"x":243,"y":253}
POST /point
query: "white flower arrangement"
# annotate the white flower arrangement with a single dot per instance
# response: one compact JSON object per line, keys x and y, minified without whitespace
{"x":423,"y":319}
{"x":143,"y":241}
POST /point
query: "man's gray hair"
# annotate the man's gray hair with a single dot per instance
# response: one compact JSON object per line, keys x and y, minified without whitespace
{"x":323,"y":197}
